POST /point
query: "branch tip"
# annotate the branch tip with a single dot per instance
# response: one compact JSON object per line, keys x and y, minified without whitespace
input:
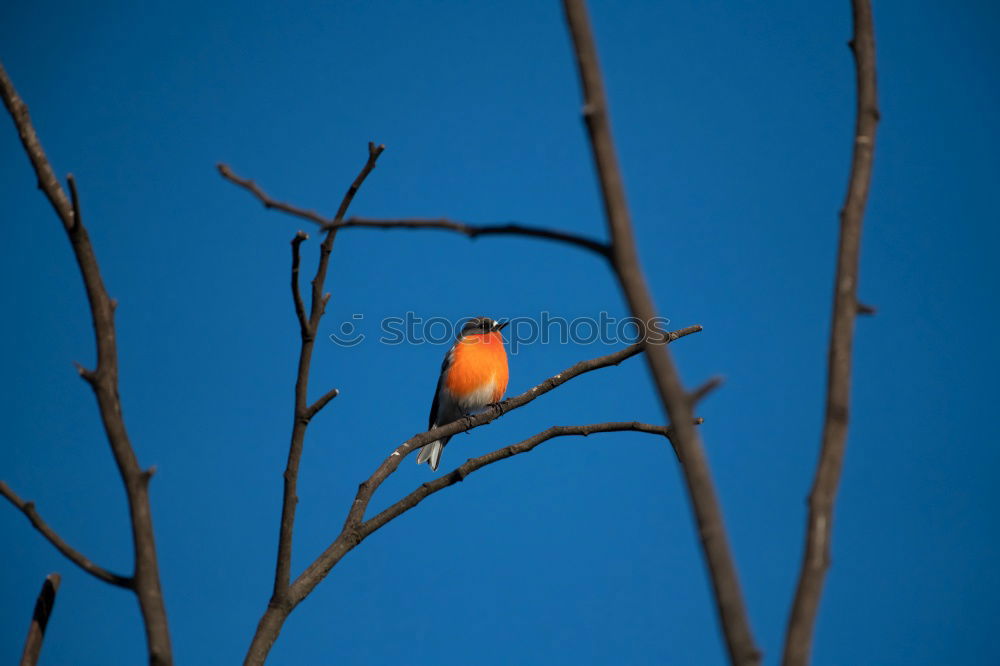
{"x":865,"y":309}
{"x":75,"y":200}
{"x":89,"y":375}
{"x":702,"y":391}
{"x":27,"y":507}
{"x":44,"y":604}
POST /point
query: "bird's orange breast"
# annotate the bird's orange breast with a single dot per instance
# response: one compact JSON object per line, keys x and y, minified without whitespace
{"x":479,"y":360}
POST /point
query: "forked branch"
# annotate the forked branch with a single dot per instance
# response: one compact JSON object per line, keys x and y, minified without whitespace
{"x":103,"y":380}
{"x":355,"y":529}
{"x":304,"y":411}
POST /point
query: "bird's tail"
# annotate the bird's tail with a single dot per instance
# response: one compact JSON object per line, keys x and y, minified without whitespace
{"x":431,"y":453}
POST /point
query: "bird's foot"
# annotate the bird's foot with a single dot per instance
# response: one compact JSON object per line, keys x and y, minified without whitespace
{"x":497,"y":408}
{"x":468,"y":422}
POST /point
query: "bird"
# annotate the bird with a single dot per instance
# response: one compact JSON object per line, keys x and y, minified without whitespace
{"x":473,"y":376}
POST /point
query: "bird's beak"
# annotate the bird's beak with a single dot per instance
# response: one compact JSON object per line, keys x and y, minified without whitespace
{"x":500,"y":325}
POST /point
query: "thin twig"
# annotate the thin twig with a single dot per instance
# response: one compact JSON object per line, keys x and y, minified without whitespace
{"x":470,"y":230}
{"x":300,"y":308}
{"x":697,"y":475}
{"x":104,"y":382}
{"x":702,"y":391}
{"x":351,"y":534}
{"x":74,"y":199}
{"x":40,"y":619}
{"x":321,"y":402}
{"x":47,"y":181}
{"x":474,"y":230}
{"x":345,"y":203}
{"x":73,"y":555}
{"x":865,"y":309}
{"x":319,"y":300}
{"x":816,"y":555}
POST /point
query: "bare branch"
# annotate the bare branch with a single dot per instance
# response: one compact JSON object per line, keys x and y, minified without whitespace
{"x":470,"y":230}
{"x":75,"y":198}
{"x":40,"y":619}
{"x":373,"y":155}
{"x":321,"y":402}
{"x":474,"y":231}
{"x":816,"y":556}
{"x":300,"y":308}
{"x":707,"y":511}
{"x":473,"y":464}
{"x":269,"y":203}
{"x":319,"y":300}
{"x":702,"y":391}
{"x":271,"y":622}
{"x":303,"y":410}
{"x":73,"y":555}
{"x":104,"y":382}
{"x":47,"y":181}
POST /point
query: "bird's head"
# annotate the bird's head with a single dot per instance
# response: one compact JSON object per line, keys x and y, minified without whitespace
{"x":481,"y":326}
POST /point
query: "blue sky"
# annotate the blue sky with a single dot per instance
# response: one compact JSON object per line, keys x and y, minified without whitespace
{"x":733,"y":125}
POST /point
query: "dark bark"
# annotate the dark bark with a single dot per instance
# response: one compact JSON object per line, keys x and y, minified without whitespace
{"x":40,"y":619}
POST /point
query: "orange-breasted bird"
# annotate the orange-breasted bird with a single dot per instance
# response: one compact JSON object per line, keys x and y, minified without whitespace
{"x":473,"y":375}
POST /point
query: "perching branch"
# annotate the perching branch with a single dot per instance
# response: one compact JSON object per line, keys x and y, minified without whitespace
{"x":354,"y":531}
{"x":816,"y":558}
{"x":73,"y":555}
{"x":470,"y":230}
{"x":304,"y":411}
{"x":473,"y":464}
{"x":40,"y":619}
{"x":103,"y":380}
{"x":367,"y":489}
{"x":676,"y":402}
